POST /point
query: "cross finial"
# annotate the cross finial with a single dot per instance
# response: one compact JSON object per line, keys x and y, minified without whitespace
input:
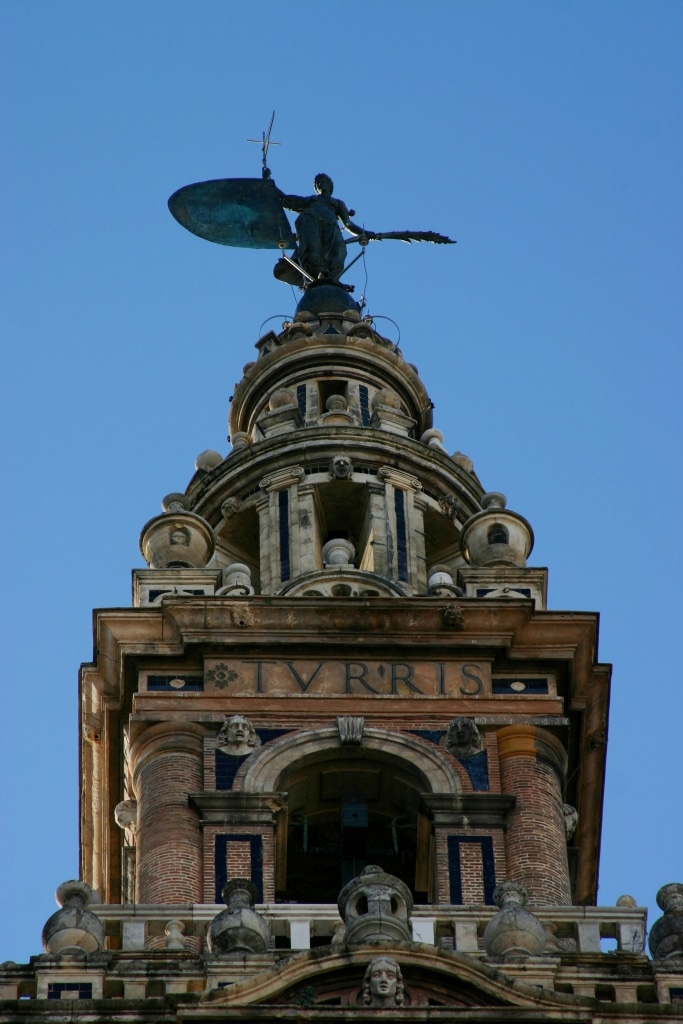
{"x":265,"y":143}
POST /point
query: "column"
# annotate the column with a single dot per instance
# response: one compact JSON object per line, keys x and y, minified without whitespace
{"x":532,"y":768}
{"x":166,"y":763}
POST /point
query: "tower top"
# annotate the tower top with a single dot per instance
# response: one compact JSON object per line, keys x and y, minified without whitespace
{"x":250,"y":213}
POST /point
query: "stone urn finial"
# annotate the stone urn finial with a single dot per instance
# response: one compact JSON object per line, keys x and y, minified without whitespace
{"x":514,"y":932}
{"x":236,"y":581}
{"x":666,"y":934}
{"x":239,"y":929}
{"x":338,"y":551}
{"x":73,"y":927}
{"x":177,"y":540}
{"x":496,"y":536}
{"x":376,"y":905}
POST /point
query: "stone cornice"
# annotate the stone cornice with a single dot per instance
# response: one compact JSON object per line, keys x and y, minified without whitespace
{"x":475,"y":809}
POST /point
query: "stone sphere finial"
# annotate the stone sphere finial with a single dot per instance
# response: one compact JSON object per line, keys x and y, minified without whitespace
{"x":281,"y":399}
{"x":73,"y":927}
{"x":239,"y":929}
{"x":514,"y":932}
{"x":386,"y":398}
{"x":627,"y":901}
{"x":207,"y":460}
{"x":666,"y":934}
{"x":494,"y":499}
{"x":176,"y":501}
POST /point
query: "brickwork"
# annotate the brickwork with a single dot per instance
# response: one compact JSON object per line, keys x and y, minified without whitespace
{"x":471,"y":863}
{"x":535,"y":841}
{"x":167,"y":765}
{"x":472,"y":873}
{"x":238,"y":858}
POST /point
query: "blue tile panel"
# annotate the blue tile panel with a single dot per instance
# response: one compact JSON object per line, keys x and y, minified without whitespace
{"x":364,"y":405}
{"x":488,"y":866}
{"x":433,"y":735}
{"x":158,"y":684}
{"x":477,"y":767}
{"x":153,"y":594}
{"x":71,"y":989}
{"x":301,"y":400}
{"x":401,"y":537}
{"x":227,"y":766}
{"x":283,"y":506}
{"x":511,"y":685}
{"x":221,"y":861}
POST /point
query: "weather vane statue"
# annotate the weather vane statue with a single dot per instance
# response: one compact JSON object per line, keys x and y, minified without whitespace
{"x":249,"y":213}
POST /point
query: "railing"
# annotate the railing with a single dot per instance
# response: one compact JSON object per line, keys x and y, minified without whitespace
{"x":298,"y":926}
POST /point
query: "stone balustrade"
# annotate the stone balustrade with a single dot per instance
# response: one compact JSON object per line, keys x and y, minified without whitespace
{"x":298,"y":926}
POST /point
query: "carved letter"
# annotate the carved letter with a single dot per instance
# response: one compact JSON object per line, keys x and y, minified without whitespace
{"x":406,"y":679}
{"x":259,"y":675}
{"x":304,"y":684}
{"x":475,"y":679}
{"x":349,"y":665}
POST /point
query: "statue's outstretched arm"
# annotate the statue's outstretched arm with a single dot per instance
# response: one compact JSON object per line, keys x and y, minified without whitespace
{"x":358,"y":231}
{"x":296,"y":203}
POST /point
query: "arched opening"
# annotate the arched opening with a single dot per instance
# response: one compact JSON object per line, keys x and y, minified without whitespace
{"x":349,"y":807}
{"x":497,"y":534}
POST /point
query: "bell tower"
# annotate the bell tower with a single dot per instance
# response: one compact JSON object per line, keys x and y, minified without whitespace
{"x":340,"y":756}
{"x":338,"y":655}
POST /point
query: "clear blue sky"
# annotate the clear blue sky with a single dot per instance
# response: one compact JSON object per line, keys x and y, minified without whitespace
{"x":545,"y":137}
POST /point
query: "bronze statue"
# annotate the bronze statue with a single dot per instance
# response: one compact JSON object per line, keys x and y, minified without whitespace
{"x":249,"y":213}
{"x":320,"y":248}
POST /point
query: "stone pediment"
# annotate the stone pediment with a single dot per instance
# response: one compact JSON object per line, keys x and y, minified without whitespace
{"x":331,"y":979}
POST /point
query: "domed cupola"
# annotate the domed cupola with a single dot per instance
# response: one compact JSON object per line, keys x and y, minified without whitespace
{"x":333,"y":441}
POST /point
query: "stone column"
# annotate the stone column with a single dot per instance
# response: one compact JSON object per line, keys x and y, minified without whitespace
{"x":532,"y":768}
{"x":405,"y":529}
{"x":375,"y":556}
{"x":166,"y":764}
{"x":306,"y":541}
{"x":278,"y":527}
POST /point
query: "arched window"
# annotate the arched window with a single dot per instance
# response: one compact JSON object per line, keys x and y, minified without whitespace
{"x":497,"y":534}
{"x":345,"y":812}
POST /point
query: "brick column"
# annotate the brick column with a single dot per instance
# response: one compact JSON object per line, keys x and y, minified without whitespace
{"x":532,"y":768}
{"x":166,"y":763}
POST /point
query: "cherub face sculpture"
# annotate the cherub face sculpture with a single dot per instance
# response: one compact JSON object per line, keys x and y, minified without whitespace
{"x":383,"y":983}
{"x":237,"y":736}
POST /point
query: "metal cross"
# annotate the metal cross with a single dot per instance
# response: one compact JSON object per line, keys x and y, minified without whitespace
{"x":265,"y":143}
